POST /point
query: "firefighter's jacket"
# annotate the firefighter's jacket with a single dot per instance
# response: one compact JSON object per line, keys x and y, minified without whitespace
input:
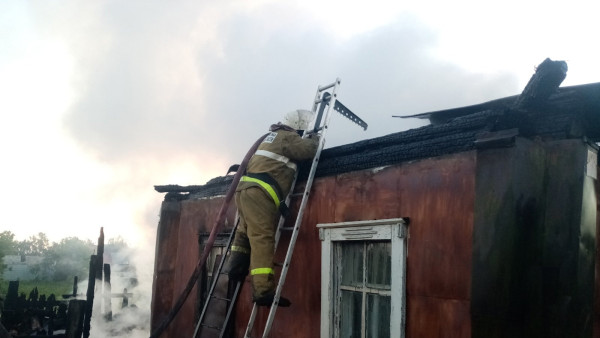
{"x":277,"y":156}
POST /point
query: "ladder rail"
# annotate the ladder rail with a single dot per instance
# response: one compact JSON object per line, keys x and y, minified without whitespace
{"x":277,"y":237}
{"x":305,"y":196}
{"x":302,"y":208}
{"x":282,"y":219}
{"x":238,"y":285}
{"x":218,"y":275}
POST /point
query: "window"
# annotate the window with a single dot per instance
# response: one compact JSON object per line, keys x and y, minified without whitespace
{"x":210,"y":268}
{"x":224,"y":288}
{"x":362,"y":279}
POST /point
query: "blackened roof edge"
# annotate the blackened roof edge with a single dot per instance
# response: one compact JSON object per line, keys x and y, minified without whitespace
{"x":460,"y":131}
{"x":443,"y":116}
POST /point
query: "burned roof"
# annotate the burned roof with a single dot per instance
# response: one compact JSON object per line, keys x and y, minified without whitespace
{"x":572,"y":112}
{"x":549,"y":114}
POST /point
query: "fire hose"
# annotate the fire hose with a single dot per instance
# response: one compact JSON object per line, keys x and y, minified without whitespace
{"x":209,"y":243}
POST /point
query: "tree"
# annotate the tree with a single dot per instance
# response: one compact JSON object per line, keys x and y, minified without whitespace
{"x":117,"y":248}
{"x":36,"y":245}
{"x":65,"y":259}
{"x":8,"y":246}
{"x":39,"y":244}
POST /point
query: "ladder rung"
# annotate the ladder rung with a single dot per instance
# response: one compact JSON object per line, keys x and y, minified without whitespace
{"x":297,"y":194}
{"x":287,"y":228}
{"x":322,"y":88}
{"x":211,"y":327}
{"x":220,"y":298}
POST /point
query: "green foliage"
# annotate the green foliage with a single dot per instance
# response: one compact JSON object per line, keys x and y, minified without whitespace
{"x":7,"y":246}
{"x":44,"y":288}
{"x":65,"y":259}
{"x":7,"y":243}
{"x":36,"y":245}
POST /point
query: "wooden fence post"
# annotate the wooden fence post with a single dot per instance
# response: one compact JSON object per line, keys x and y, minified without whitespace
{"x":98,"y":270}
{"x":77,"y":309}
{"x":90,"y":297}
{"x":75,"y":286}
{"x":107,"y":293}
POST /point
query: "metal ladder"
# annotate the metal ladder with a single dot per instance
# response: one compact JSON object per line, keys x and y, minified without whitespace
{"x":211,"y":298}
{"x":324,"y":101}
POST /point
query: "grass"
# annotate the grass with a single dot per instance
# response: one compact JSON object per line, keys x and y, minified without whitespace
{"x":44,"y":288}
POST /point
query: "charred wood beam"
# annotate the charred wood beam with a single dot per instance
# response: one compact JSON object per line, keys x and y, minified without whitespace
{"x":107,"y":293}
{"x":534,"y":99}
{"x":121,"y":295}
{"x":545,"y":82}
{"x":75,"y":279}
{"x":90,"y":297}
{"x":174,"y":188}
{"x":3,"y":332}
{"x":76,"y":313}
{"x":177,"y":188}
{"x":98,"y":269}
{"x":125,"y":295}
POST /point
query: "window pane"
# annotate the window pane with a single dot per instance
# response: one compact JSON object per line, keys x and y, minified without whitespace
{"x":350,"y":314}
{"x":352,"y":263}
{"x":379,"y":264}
{"x":378,"y":316}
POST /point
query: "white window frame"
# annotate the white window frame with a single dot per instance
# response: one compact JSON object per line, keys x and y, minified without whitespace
{"x":395,"y":230}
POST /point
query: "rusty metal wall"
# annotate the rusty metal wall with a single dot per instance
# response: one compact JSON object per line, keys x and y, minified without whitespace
{"x":498,"y":245}
{"x":596,"y":317}
{"x":507,"y":285}
{"x":569,"y":241}
{"x":177,"y":253}
{"x":534,"y":241}
{"x":438,"y":196}
{"x":164,"y":262}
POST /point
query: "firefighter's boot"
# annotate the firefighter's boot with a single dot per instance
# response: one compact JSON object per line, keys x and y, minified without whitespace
{"x":263,"y":291}
{"x":267,"y":300}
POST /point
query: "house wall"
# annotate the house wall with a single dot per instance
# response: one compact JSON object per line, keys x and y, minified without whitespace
{"x":437,"y":195}
{"x":501,"y":243}
{"x":569,"y":241}
{"x":509,"y":210}
{"x":534,"y":241}
{"x":177,"y":254}
{"x":596,"y":318}
{"x":165,"y":262}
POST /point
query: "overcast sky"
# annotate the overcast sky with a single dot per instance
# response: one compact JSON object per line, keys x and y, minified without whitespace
{"x":102,"y":100}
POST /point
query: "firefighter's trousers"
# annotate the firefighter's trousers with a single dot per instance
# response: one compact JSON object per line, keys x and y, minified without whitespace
{"x":256,"y":232}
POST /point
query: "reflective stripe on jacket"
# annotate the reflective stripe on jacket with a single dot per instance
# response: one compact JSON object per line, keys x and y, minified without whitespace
{"x":262,"y":271}
{"x":268,"y":188}
{"x":277,"y":156}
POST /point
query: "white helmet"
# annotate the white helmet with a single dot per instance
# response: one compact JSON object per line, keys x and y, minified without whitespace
{"x":299,"y":119}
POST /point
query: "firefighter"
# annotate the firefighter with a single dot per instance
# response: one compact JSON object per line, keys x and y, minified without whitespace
{"x":260,"y":197}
